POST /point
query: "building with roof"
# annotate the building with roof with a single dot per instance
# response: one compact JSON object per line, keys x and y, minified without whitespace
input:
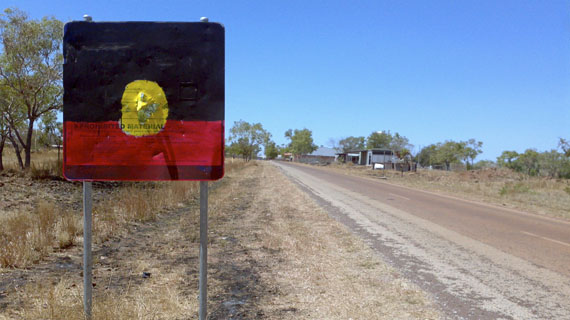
{"x":322,"y":155}
{"x":367,"y":157}
{"x":378,"y":158}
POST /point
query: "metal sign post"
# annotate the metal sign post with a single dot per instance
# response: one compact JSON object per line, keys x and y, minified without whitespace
{"x":87,"y":238}
{"x":203,"y":283}
{"x":203,"y":311}
{"x":87,"y":259}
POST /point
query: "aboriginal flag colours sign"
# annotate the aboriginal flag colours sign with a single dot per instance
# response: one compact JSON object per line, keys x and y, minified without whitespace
{"x":143,"y":101}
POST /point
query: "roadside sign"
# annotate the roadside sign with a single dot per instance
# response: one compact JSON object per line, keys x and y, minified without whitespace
{"x":143,"y":101}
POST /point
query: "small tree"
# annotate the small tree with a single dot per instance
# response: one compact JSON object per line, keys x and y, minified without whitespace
{"x":463,"y":152}
{"x":31,"y":70}
{"x":404,"y":153}
{"x":551,"y":163}
{"x":448,"y":153}
{"x":301,"y":141}
{"x":427,"y":156}
{"x":508,"y":159}
{"x":529,"y":162}
{"x":231,"y":150}
{"x":246,"y":139}
{"x":378,"y":140}
{"x":400,"y":144}
{"x":271,"y":150}
{"x":351,"y":143}
{"x":472,"y":149}
{"x":564,"y":145}
{"x":12,"y":119}
{"x":283,"y":149}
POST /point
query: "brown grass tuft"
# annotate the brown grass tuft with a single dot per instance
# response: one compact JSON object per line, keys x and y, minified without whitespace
{"x":15,"y":246}
{"x":27,"y":237}
{"x":68,"y":228}
{"x":139,"y":202}
{"x":50,"y":169}
{"x":63,"y":300}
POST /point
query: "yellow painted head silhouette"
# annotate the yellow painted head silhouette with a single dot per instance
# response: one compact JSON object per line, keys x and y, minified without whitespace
{"x":144,"y":108}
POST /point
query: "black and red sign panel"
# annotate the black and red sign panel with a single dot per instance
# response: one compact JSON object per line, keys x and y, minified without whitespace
{"x":143,"y":101}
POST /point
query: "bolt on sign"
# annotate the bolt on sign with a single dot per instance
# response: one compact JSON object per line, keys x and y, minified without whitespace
{"x":143,"y":101}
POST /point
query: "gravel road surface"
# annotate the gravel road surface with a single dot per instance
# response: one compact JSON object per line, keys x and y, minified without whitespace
{"x":477,"y":261}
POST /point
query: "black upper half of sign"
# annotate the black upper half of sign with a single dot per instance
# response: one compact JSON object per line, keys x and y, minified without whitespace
{"x":186,"y":59}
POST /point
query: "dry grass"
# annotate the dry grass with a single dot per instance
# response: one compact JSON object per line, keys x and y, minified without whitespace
{"x":142,"y":202}
{"x":159,"y":296}
{"x":139,"y":202}
{"x":48,"y":169}
{"x":63,"y":301}
{"x":9,"y":159}
{"x":502,"y":187}
{"x":44,"y":161}
{"x":27,"y":237}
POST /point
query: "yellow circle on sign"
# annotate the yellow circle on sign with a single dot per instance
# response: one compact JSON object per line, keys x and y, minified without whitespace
{"x":144,"y":110}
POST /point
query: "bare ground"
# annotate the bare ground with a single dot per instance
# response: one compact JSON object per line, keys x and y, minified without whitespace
{"x":273,"y":254}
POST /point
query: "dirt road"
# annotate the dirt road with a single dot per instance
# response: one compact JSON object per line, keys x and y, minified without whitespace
{"x":478,"y":261}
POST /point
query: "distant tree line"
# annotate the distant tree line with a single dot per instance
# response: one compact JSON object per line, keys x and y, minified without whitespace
{"x":553,"y":163}
{"x":246,"y":141}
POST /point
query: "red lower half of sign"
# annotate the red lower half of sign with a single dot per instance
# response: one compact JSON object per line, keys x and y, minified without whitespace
{"x":183,"y":150}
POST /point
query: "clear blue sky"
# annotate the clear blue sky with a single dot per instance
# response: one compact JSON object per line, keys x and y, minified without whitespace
{"x":497,"y":71}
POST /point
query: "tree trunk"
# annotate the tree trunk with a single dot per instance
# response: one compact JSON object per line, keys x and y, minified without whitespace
{"x":2,"y":141}
{"x":28,"y":146}
{"x":16,"y":149}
